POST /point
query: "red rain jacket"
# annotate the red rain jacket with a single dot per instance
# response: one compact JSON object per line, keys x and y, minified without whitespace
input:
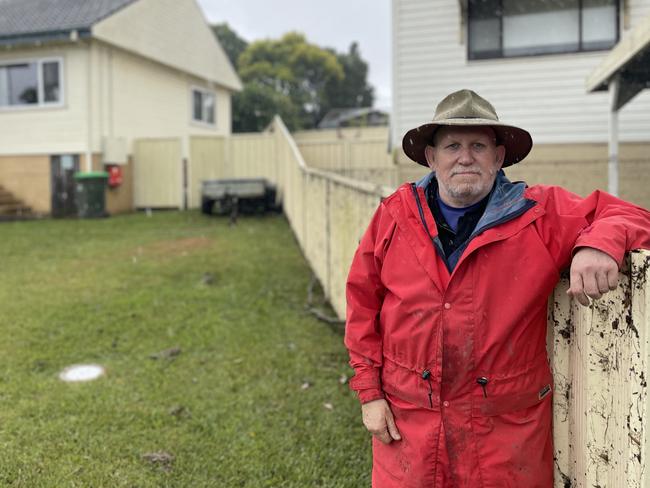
{"x":461,"y":357}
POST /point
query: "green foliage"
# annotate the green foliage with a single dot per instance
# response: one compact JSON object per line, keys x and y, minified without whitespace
{"x":295,"y":68}
{"x":291,"y":77}
{"x":353,"y":90}
{"x":256,"y":105}
{"x":229,"y":408}
{"x":231,"y":43}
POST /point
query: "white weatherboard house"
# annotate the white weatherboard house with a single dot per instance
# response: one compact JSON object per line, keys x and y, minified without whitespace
{"x":531,"y":59}
{"x":80,"y":80}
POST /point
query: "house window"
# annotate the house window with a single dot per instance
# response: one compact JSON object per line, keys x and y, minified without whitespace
{"x":203,"y":106}
{"x":30,"y":83}
{"x":505,"y":28}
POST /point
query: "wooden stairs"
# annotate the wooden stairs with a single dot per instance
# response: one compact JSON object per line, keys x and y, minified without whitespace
{"x":11,"y":208}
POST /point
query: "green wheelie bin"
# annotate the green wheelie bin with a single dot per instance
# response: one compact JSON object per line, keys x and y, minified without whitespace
{"x":91,"y":194}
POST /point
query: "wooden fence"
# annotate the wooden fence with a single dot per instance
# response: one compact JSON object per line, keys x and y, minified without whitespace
{"x":346,"y":150}
{"x":601,"y":360}
{"x":157,"y":173}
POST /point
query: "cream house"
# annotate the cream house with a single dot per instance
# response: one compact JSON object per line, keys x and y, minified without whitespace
{"x":531,"y":59}
{"x":81,"y":80}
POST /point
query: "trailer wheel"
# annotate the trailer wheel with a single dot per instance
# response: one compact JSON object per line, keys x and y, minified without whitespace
{"x":206,"y":206}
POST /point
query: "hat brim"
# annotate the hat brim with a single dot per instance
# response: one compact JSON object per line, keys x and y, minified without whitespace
{"x":517,"y":141}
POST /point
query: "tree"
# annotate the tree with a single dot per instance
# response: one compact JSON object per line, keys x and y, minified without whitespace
{"x":255,"y":106}
{"x":293,"y":78}
{"x":231,"y":43}
{"x":353,"y":91}
{"x":295,"y":68}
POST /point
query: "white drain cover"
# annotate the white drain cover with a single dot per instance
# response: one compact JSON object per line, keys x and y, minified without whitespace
{"x":82,"y":372}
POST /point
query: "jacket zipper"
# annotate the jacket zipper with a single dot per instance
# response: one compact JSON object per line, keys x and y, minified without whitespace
{"x":483,"y":381}
{"x":529,"y":204}
{"x":436,"y":243}
{"x":426,"y":375}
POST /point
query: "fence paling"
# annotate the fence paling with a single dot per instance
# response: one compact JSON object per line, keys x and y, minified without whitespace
{"x":158,"y":173}
{"x":600,"y":359}
{"x":600,"y":355}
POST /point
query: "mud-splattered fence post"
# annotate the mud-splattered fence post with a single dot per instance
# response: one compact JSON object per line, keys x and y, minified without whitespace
{"x":600,"y":357}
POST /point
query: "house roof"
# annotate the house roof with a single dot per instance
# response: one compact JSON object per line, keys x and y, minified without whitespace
{"x":41,"y":20}
{"x":189,"y":46}
{"x":628,"y":62}
{"x":336,"y":116}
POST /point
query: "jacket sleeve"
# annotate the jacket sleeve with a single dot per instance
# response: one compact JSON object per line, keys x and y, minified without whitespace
{"x":365,"y":293}
{"x":600,"y":221}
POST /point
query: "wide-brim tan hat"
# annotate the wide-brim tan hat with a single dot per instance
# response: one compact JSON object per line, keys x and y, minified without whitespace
{"x":467,"y":108}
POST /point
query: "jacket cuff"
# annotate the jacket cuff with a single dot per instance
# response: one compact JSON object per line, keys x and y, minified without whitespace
{"x":616,"y":254}
{"x":366,"y":381}
{"x":370,"y":394}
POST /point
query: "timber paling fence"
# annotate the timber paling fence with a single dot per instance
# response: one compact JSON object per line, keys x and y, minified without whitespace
{"x":600,"y":355}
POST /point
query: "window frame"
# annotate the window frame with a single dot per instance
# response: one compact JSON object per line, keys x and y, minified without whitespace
{"x":40,"y":89}
{"x":499,"y":55}
{"x":203,"y":91}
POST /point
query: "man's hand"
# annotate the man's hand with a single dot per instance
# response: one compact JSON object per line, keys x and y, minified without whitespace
{"x":379,"y":420}
{"x":593,"y":273}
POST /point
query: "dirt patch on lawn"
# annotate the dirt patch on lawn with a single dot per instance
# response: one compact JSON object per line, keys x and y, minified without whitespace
{"x":172,"y":248}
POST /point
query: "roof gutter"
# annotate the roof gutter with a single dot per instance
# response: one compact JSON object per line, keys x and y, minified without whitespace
{"x":38,"y":38}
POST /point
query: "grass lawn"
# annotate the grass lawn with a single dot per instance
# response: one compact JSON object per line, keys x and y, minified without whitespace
{"x":229,"y":411}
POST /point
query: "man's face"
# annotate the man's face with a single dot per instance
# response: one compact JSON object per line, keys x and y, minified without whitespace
{"x":466,"y":161}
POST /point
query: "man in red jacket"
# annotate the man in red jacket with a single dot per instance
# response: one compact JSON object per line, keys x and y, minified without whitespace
{"x":447,"y":298}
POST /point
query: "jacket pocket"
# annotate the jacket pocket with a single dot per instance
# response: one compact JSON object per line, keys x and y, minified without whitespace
{"x":420,"y":388}
{"x":501,"y":394}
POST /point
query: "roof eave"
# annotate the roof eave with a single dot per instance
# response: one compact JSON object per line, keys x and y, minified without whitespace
{"x":634,"y":43}
{"x":39,"y":38}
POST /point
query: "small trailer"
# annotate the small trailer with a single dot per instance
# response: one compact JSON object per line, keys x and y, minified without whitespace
{"x":240,"y":195}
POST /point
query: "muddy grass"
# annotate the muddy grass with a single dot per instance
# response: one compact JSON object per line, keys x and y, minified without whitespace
{"x":207,"y":347}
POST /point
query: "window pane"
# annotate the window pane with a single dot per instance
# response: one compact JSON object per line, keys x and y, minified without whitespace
{"x":540,"y":26}
{"x":67,"y":162}
{"x":51,"y":85}
{"x":19,"y":84}
{"x":484,"y":28}
{"x":198,"y":105}
{"x":208,"y":100}
{"x":598,"y":24}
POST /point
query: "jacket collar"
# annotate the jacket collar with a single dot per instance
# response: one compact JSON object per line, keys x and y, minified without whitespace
{"x":506,"y":198}
{"x":506,"y":202}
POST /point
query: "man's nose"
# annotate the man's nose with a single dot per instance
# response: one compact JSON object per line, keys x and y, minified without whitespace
{"x":465,"y":156}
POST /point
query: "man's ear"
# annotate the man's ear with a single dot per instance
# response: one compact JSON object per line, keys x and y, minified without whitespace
{"x":429,"y":154}
{"x":501,"y":156}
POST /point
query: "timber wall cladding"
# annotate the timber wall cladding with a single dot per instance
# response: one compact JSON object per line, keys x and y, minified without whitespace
{"x":158,"y":173}
{"x":544,"y":94}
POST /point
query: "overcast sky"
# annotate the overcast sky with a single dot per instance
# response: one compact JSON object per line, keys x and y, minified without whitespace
{"x":332,"y":23}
